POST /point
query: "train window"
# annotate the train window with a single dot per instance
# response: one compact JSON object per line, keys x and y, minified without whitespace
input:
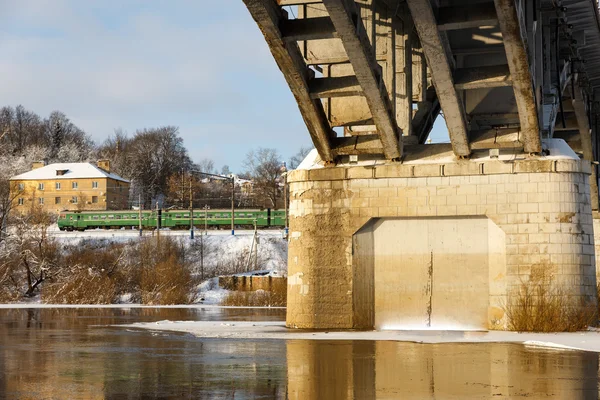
{"x":111,"y":217}
{"x":103,"y":217}
{"x":186,"y":215}
{"x":177,"y":215}
{"x":95,"y":217}
{"x":117,"y":217}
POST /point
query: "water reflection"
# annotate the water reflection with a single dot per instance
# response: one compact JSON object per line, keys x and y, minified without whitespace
{"x":73,"y":354}
{"x":393,"y":370}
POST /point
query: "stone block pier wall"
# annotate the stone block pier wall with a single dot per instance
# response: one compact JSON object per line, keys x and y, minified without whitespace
{"x":434,"y":244}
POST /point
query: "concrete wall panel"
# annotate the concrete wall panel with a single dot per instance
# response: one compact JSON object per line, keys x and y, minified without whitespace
{"x":421,"y":270}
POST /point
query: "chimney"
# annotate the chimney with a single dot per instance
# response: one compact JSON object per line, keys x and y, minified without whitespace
{"x":37,"y":164}
{"x":104,"y":164}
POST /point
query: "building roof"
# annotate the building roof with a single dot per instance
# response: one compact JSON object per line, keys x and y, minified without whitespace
{"x":72,"y":171}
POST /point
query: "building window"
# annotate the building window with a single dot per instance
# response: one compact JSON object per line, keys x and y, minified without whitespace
{"x":57,"y":200}
{"x":40,"y":186}
{"x":21,"y":186}
{"x":74,"y":199}
{"x":94,"y":185}
{"x":41,"y":200}
{"x":21,"y":201}
{"x":94,"y":199}
{"x":74,"y":185}
{"x":57,"y":185}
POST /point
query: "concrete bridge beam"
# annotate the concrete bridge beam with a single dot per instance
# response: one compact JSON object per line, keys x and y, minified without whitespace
{"x":443,"y":80}
{"x":351,"y":30}
{"x":518,"y":64}
{"x":269,"y":18}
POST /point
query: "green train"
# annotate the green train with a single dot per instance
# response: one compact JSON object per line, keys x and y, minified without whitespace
{"x":174,"y":219}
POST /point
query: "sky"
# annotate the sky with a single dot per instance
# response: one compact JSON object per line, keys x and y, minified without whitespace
{"x":200,"y":65}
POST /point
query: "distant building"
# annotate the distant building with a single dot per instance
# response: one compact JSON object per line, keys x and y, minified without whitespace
{"x":70,"y":186}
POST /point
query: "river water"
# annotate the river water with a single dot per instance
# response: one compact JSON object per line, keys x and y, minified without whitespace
{"x":73,"y":353}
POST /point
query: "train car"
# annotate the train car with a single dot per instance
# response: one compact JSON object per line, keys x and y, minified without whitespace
{"x":174,"y":219}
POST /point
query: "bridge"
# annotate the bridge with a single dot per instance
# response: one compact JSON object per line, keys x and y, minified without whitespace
{"x":387,"y":231}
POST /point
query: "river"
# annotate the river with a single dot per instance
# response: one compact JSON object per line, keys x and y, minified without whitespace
{"x":82,"y":353}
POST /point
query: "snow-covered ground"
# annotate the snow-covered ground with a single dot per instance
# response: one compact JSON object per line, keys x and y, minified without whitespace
{"x":585,"y":341}
{"x":216,"y":253}
{"x":124,"y":234}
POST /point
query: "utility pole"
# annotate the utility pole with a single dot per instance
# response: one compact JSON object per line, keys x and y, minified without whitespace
{"x":255,"y":246}
{"x":140,"y":212}
{"x":157,"y":223}
{"x":232,"y":204}
{"x":206,"y":208}
{"x":191,"y":211}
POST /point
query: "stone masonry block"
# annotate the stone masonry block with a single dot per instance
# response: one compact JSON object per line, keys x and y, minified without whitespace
{"x":379,"y":183}
{"x":360,"y":172}
{"x":568,"y":166}
{"x":463,"y":189}
{"x":393,"y":171}
{"x":466,"y":210}
{"x":461,"y":168}
{"x":534,"y":166}
{"x":378,"y":202}
{"x":446,"y":210}
{"x":388,"y":192}
{"x":528,"y":208}
{"x":327,"y":174}
{"x":497,"y":167}
{"x":297,"y":175}
{"x":397,"y":201}
{"x":421,"y":170}
{"x":456,"y":200}
{"x":397,"y":182}
{"x":369,"y":192}
{"x":508,"y":208}
{"x":427,"y":191}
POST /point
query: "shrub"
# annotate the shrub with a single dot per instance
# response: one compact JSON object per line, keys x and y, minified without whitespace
{"x":165,"y":276}
{"x":83,"y":287}
{"x":541,"y":305}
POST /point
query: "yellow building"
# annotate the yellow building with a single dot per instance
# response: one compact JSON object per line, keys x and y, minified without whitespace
{"x":70,"y":186}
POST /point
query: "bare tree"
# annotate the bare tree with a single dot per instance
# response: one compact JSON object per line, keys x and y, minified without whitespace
{"x":264,"y":167}
{"x":297,"y":158}
{"x":206,"y":165}
{"x":154,"y":155}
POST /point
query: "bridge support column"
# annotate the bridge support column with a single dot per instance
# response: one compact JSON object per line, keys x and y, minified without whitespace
{"x":434,"y":242}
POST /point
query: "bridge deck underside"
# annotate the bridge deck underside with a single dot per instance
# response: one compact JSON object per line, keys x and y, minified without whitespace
{"x":371,"y":76}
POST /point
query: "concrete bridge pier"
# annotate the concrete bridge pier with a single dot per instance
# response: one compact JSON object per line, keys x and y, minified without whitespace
{"x":435,"y":242}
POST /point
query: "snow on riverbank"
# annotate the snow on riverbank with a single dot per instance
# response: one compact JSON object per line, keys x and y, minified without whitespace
{"x":219,"y":248}
{"x":585,"y":341}
{"x":218,"y":253}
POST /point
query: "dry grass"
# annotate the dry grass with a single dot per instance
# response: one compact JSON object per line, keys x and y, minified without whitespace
{"x":165,"y":276}
{"x":83,"y":287}
{"x":541,"y":305}
{"x":166,"y":282}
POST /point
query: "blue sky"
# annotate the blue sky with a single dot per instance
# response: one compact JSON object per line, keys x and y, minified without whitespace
{"x":200,"y":65}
